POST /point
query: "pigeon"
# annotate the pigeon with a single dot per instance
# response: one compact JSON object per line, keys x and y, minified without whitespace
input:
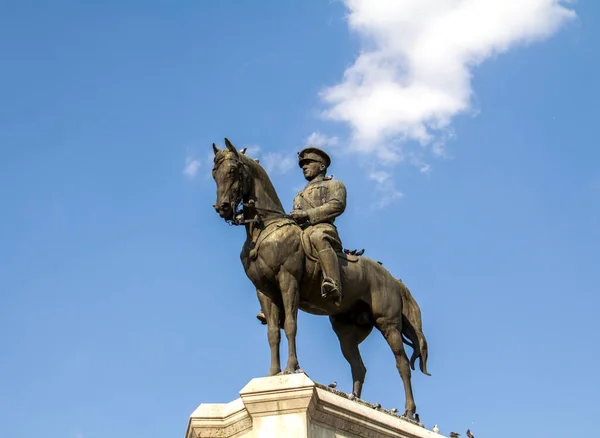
{"x":469,"y":434}
{"x":454,"y":435}
{"x":436,"y":429}
{"x":332,"y":384}
{"x":354,"y":252}
{"x":377,"y":405}
{"x":394,"y":410}
{"x":243,"y":151}
{"x":417,"y":418}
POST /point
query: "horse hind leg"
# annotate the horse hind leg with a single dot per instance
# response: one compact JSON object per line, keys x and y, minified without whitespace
{"x":392,"y":332}
{"x":350,"y":336}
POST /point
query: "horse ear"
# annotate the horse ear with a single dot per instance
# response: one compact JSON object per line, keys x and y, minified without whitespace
{"x":215,"y":149}
{"x":230,"y":146}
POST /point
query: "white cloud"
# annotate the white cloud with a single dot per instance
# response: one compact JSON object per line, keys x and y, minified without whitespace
{"x":380,"y":176}
{"x":318,"y":140}
{"x":191,"y":166}
{"x":414,"y":71}
{"x":272,"y":162}
{"x":252,"y":150}
{"x":386,"y":189}
{"x":277,"y":162}
{"x":417,"y":160}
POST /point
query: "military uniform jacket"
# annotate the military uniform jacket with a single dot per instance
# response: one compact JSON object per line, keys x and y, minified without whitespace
{"x":323,"y":200}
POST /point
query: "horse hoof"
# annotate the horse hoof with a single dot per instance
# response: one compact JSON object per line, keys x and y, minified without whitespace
{"x":354,"y":396}
{"x":409,"y":414}
{"x":274,"y":373}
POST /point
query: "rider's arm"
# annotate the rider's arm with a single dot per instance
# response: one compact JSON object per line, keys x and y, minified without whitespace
{"x":334,"y":205}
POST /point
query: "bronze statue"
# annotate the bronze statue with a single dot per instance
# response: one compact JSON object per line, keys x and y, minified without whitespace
{"x":282,"y":257}
{"x":315,"y":209}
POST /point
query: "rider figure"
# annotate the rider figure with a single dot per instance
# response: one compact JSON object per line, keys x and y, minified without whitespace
{"x":315,"y":209}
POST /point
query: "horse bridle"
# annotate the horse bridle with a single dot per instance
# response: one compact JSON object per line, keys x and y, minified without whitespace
{"x":241,"y":191}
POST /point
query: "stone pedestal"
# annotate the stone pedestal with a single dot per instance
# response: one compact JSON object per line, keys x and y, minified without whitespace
{"x":293,"y":406}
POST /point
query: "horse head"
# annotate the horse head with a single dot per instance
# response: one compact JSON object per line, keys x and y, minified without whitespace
{"x":232,"y":179}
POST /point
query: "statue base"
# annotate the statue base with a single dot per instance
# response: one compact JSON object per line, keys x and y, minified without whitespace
{"x":293,"y":406}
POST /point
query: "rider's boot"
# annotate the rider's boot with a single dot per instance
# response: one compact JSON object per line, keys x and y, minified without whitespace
{"x":331,"y":285}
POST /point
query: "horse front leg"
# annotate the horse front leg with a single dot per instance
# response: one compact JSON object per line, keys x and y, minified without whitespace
{"x":272,"y":314}
{"x":290,"y":293}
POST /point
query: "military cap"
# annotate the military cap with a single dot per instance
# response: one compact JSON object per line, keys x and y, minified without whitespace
{"x":315,"y":154}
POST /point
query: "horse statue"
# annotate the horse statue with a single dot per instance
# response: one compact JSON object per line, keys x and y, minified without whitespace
{"x":279,"y":261}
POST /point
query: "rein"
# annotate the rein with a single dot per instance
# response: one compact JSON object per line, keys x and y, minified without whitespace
{"x":237,"y":204}
{"x":258,"y":218}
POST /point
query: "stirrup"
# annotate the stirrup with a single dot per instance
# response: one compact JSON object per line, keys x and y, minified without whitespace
{"x":330,"y":287}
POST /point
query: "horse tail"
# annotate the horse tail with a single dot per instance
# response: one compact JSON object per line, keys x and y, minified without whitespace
{"x":412,"y":329}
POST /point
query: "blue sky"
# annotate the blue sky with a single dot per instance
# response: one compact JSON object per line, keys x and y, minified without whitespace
{"x":122,"y":294}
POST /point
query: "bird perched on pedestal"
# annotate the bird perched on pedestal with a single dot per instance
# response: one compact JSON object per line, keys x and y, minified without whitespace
{"x":394,"y":410}
{"x":454,"y":435}
{"x":332,"y":385}
{"x":436,"y":429}
{"x":377,"y":405}
{"x":469,"y":434}
{"x":417,"y":418}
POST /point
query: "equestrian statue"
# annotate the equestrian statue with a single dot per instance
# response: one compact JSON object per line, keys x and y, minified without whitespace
{"x":297,"y":261}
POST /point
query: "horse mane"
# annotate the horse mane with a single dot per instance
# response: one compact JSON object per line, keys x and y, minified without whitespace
{"x":257,"y":173}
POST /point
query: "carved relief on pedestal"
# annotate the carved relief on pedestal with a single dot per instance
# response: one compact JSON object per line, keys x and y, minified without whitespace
{"x":222,"y":431}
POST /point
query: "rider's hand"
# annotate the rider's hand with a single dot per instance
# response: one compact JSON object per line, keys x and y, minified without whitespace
{"x":299,"y":216}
